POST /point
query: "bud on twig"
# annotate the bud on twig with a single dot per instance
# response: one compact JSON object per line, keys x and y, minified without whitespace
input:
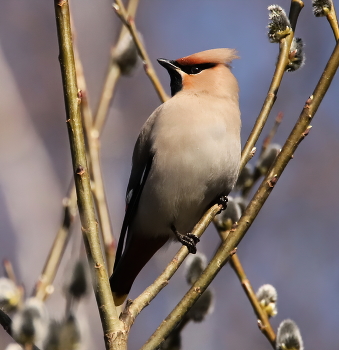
{"x":245,"y":178}
{"x":267,"y":297}
{"x":172,"y":342}
{"x":195,"y":265}
{"x":266,"y":159}
{"x":125,"y":54}
{"x":77,"y":287}
{"x":203,"y":306}
{"x":228,"y":217}
{"x":13,"y":346}
{"x":64,"y":335}
{"x":321,"y":7}
{"x":30,"y":324}
{"x":297,"y":55}
{"x":288,"y":336}
{"x":280,"y":26}
{"x":9,"y":294}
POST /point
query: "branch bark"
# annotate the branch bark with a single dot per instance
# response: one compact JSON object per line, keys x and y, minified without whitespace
{"x":112,"y":327}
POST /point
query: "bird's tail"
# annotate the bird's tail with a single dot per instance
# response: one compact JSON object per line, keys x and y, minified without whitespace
{"x":138,"y":251}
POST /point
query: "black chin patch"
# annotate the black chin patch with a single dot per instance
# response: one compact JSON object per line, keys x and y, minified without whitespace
{"x":176,"y":81}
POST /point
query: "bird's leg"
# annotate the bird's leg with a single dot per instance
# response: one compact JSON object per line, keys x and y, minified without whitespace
{"x":223,"y":200}
{"x":189,"y":240}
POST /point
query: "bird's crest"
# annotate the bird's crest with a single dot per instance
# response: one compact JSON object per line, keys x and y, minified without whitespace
{"x":217,"y":56}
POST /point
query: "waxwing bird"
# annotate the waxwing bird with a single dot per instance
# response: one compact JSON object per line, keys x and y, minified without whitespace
{"x":186,"y":157}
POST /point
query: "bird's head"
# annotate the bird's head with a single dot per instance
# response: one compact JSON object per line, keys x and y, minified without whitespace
{"x":206,"y":71}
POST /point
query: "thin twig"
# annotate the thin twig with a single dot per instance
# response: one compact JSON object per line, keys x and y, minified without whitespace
{"x":263,"y":321}
{"x":268,"y":139}
{"x":44,"y":287}
{"x":109,"y":318}
{"x":332,"y":19}
{"x":133,"y":308}
{"x":283,"y":59}
{"x":9,"y":271}
{"x":228,"y":246}
{"x":130,"y":24}
{"x":112,"y":76}
{"x":284,"y":48}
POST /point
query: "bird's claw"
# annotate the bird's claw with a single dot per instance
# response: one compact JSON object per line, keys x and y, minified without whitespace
{"x":189,"y":240}
{"x":223,"y":200}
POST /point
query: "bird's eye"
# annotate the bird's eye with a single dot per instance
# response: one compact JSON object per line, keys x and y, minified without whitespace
{"x":195,"y":70}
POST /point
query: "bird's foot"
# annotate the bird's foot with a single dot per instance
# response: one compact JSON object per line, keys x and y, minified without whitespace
{"x":189,"y":240}
{"x":223,"y":200}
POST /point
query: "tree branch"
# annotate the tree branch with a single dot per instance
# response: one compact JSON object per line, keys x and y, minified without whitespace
{"x":263,"y":321}
{"x":109,"y":319}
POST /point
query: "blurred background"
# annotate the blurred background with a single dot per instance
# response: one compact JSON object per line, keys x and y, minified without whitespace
{"x":294,"y":241}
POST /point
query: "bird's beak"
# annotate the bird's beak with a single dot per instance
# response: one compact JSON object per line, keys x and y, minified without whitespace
{"x":168,"y":64}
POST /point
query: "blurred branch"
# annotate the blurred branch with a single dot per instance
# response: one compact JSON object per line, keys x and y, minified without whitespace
{"x":43,"y":287}
{"x":130,"y":24}
{"x":133,"y":308}
{"x":112,"y":76}
{"x":263,"y":321}
{"x":9,"y":271}
{"x":227,"y":248}
{"x":283,"y":60}
{"x":109,"y":318}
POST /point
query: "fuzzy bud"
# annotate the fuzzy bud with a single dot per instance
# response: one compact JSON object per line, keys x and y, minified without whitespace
{"x":229,"y":216}
{"x":321,"y":7}
{"x":13,"y":346}
{"x":53,"y":338}
{"x":266,"y":159}
{"x":30,"y":324}
{"x":202,"y":307}
{"x":267,"y":297}
{"x":242,"y":203}
{"x":288,"y":336}
{"x":280,"y":26}
{"x":195,"y":265}
{"x":63,"y":335}
{"x":125,"y":54}
{"x":245,"y":178}
{"x":9,"y":294}
{"x":172,"y":342}
{"x":77,"y":286}
{"x":70,"y":334}
{"x":297,"y":55}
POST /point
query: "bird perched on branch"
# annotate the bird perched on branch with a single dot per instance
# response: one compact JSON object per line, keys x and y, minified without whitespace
{"x":185,"y":159}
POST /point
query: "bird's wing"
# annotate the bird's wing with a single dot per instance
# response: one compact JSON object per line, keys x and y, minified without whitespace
{"x":141,"y":166}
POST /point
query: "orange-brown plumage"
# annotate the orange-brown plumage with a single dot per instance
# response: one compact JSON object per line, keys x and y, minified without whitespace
{"x":218,"y":56}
